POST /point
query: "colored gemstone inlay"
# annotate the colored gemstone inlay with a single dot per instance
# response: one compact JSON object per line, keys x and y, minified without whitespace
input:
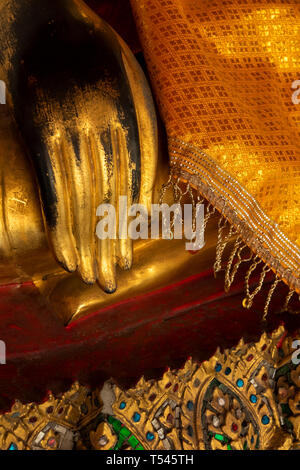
{"x":51,"y":442}
{"x":136,"y":417}
{"x":13,"y":446}
{"x":218,"y":368}
{"x":253,"y":398}
{"x":265,"y":419}
{"x":150,"y":436}
{"x":133,"y":442}
{"x":227,"y":371}
{"x":234,"y":427}
{"x":125,"y":432}
{"x":240,"y":383}
{"x":196,"y":383}
{"x":190,"y":405}
{"x":116,"y":424}
{"x":122,"y":405}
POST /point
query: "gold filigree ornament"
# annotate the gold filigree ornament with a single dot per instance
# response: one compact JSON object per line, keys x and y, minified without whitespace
{"x":229,"y":402}
{"x":245,"y":398}
{"x":51,"y":425}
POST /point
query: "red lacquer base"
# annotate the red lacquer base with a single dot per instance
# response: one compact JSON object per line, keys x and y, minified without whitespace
{"x":139,"y":336}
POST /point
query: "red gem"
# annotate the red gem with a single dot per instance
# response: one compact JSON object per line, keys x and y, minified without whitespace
{"x":168,"y":385}
{"x":175,"y":388}
{"x":60,"y":411}
{"x":234,"y":427}
{"x":51,"y":442}
{"x":264,"y":347}
{"x":265,"y":377}
{"x":50,"y":409}
{"x":170,"y":418}
{"x":152,"y":397}
{"x":250,"y":357}
{"x":33,"y":419}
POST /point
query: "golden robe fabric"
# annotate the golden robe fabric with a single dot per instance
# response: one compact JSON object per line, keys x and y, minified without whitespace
{"x":223,"y":72}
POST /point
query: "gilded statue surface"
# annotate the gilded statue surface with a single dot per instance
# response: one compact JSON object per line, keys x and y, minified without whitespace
{"x":79,"y":129}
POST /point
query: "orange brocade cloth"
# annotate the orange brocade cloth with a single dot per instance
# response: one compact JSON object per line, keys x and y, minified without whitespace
{"x":224,"y":73}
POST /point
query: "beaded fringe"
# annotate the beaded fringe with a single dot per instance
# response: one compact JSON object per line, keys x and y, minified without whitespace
{"x":237,"y":256}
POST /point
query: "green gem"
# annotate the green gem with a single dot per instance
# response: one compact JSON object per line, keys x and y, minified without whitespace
{"x":133,"y":442}
{"x":120,"y":443}
{"x":221,"y":438}
{"x":124,"y":433}
{"x":116,"y":424}
{"x":139,"y":447}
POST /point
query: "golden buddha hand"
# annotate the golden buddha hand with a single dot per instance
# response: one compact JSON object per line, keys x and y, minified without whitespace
{"x":87,"y":118}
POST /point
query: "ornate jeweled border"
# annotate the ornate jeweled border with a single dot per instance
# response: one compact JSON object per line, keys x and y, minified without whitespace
{"x":245,"y":398}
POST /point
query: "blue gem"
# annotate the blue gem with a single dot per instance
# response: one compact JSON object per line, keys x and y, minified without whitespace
{"x":240,"y":383}
{"x":122,"y":405}
{"x":13,"y":447}
{"x":150,"y":436}
{"x":265,"y":419}
{"x":227,"y":371}
{"x":190,"y":431}
{"x":218,"y":368}
{"x":253,"y":398}
{"x":136,"y":417}
{"x":190,"y":405}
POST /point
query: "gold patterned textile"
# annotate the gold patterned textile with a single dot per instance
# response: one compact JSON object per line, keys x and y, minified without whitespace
{"x":223,"y":72}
